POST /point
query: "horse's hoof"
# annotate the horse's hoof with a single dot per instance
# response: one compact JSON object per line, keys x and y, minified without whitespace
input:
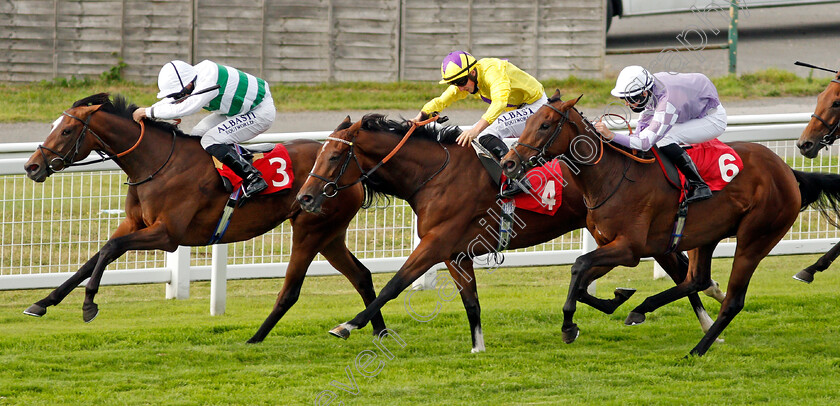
{"x":634,"y":318}
{"x":35,"y":310}
{"x":254,"y":340}
{"x":89,"y":312}
{"x":623,"y":294}
{"x":340,"y":331}
{"x":570,"y":334}
{"x":804,"y":276}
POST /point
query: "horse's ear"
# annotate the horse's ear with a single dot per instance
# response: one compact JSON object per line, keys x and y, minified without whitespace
{"x":571,"y":103}
{"x":557,"y":94}
{"x":344,"y":124}
{"x":355,"y":127}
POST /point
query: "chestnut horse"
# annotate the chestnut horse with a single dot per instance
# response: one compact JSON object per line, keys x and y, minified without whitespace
{"x":455,"y":202}
{"x":634,"y":208}
{"x":821,"y":132}
{"x":182,"y":197}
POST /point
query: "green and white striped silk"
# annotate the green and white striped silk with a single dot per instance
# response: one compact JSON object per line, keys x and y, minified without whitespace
{"x":239,"y":92}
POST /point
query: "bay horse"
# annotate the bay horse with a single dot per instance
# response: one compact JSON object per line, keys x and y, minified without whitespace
{"x":182,"y":198}
{"x":454,"y":200}
{"x":821,"y":132}
{"x":634,"y":208}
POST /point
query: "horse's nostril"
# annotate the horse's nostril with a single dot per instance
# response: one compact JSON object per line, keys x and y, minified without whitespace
{"x":806,"y":145}
{"x":509,"y":164}
{"x":305,"y":198}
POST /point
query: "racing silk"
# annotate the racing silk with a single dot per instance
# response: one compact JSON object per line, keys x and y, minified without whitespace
{"x":239,"y":92}
{"x":677,"y":98}
{"x":500,"y":83}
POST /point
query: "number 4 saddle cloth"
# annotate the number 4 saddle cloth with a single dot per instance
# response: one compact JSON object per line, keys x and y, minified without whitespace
{"x":274,"y":164}
{"x":546,"y":193}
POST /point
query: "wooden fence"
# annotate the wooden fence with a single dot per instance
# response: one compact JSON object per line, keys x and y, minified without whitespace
{"x":297,"y":40}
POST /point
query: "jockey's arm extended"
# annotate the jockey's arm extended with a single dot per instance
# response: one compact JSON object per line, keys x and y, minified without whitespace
{"x":651,"y":128}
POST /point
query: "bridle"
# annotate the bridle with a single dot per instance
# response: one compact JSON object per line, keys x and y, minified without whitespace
{"x":542,"y":152}
{"x":67,"y":160}
{"x":331,"y":187}
{"x":831,"y":136}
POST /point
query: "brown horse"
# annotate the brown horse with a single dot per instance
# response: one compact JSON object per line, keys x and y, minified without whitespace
{"x":456,"y":206}
{"x":181,"y":200}
{"x":634,"y":207}
{"x":820,"y":133}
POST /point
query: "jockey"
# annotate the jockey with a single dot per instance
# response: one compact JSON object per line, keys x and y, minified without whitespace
{"x":675,"y":108}
{"x":513,"y":96}
{"x":240,"y":104}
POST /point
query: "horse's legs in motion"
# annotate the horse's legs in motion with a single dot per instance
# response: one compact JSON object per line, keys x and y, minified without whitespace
{"x":807,"y":275}
{"x":676,"y":265}
{"x":587,"y":268}
{"x":464,"y":275}
{"x":428,"y":252}
{"x":698,"y":278}
{"x":56,"y":296}
{"x":152,"y":237}
{"x":753,"y":245}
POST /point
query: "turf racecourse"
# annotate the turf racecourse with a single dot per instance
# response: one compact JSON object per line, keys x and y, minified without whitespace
{"x":142,"y":349}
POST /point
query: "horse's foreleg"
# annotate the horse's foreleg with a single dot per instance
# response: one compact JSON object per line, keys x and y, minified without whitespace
{"x":807,"y":275}
{"x":428,"y":252}
{"x":698,"y":278}
{"x":153,"y":237}
{"x":463,"y":273}
{"x":357,"y":273}
{"x":587,"y":268}
{"x":56,"y":296}
{"x":302,"y":256}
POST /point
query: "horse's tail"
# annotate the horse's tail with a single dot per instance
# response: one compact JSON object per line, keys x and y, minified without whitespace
{"x":822,"y":191}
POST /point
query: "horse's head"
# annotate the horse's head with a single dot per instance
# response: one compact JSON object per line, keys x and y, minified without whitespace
{"x":332,"y":170}
{"x":821,"y":131}
{"x":545,"y":137}
{"x":69,"y":141}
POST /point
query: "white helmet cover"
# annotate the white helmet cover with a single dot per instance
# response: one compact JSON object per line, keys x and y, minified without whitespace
{"x":631,"y":81}
{"x":173,"y":77}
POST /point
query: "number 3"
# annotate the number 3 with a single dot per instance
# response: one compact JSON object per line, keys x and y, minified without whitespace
{"x":728,"y":169}
{"x":282,"y":171}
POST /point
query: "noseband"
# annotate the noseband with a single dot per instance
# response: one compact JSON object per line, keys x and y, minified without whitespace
{"x":69,"y":158}
{"x":831,"y":136}
{"x":542,"y":152}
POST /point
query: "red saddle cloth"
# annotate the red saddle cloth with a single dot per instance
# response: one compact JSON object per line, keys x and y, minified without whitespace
{"x":717,"y":163}
{"x":546,"y":192}
{"x":275,"y":166}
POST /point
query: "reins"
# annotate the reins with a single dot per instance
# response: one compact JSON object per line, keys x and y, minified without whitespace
{"x":623,"y":152}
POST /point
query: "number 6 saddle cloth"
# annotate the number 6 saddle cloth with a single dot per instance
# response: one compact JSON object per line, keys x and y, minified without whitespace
{"x":274,"y":164}
{"x":716,"y":162}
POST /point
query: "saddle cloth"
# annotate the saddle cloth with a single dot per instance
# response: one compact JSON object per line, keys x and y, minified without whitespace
{"x":717,"y":163}
{"x":275,"y":166}
{"x":546,"y":192}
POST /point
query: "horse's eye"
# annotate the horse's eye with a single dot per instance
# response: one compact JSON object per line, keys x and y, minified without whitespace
{"x":544,"y":126}
{"x":65,"y":131}
{"x":334,"y":158}
{"x":836,"y":103}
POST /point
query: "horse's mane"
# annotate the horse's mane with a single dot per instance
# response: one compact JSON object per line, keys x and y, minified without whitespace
{"x":378,"y":122}
{"x":121,"y":107}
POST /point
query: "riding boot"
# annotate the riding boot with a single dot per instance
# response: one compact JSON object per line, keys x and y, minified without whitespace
{"x":252,"y":181}
{"x":697,"y":188}
{"x":499,"y":149}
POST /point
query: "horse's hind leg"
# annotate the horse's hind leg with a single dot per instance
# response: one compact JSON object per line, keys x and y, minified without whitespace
{"x":55,"y":297}
{"x":807,"y":275}
{"x":463,"y":273}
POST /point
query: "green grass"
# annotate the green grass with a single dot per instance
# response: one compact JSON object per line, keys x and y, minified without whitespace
{"x":44,"y":100}
{"x":142,"y":349}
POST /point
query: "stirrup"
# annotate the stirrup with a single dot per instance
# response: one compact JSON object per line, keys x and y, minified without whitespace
{"x":698,"y":193}
{"x":254,"y":186}
{"x":514,"y":188}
